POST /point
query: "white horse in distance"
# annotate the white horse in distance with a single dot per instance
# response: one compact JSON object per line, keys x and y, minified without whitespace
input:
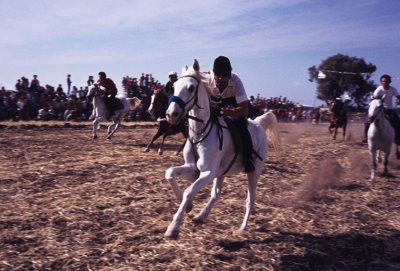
{"x":209,"y":152}
{"x":380,"y":135}
{"x":101,"y":113}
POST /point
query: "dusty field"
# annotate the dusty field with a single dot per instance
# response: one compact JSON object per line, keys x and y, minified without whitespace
{"x":68,"y":203}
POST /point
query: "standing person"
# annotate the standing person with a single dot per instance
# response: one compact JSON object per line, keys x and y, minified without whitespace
{"x":388,"y":92}
{"x":35,"y":84}
{"x":230,"y":99}
{"x":169,"y":86}
{"x":110,"y":91}
{"x":69,"y":82}
{"x":90,"y":81}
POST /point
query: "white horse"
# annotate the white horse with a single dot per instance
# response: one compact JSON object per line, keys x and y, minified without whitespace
{"x":380,"y":135}
{"x":101,"y":113}
{"x":209,"y":152}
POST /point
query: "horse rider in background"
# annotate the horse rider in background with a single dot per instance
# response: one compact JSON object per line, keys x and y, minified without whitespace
{"x":110,"y":91}
{"x":388,"y":92}
{"x":169,"y":86}
{"x":229,"y":98}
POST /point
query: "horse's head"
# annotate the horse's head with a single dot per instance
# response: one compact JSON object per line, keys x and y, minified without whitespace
{"x":159,"y":104}
{"x":186,"y":93}
{"x":376,"y":109}
{"x":94,"y":90}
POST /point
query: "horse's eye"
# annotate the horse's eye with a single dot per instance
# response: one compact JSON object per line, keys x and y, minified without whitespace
{"x":191,"y":88}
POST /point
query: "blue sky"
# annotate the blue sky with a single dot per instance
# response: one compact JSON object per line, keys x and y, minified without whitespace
{"x":271,"y":43}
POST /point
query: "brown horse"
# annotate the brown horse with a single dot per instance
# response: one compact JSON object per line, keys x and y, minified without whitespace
{"x":158,"y":107}
{"x":338,"y":118}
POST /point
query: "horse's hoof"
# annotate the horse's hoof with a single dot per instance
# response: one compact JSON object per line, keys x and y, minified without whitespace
{"x":171,"y":234}
{"x":160,"y":152}
{"x":108,"y":137}
{"x":94,"y":137}
{"x":146,"y":150}
{"x":198,"y":219}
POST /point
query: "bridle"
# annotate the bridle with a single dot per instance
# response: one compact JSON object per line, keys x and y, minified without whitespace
{"x":194,"y":98}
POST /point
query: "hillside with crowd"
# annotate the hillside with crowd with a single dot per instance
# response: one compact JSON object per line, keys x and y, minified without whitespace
{"x":32,"y":100}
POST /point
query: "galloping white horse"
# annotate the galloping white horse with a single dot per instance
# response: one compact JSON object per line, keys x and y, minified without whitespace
{"x":101,"y":113}
{"x":380,"y":135}
{"x":209,"y":152}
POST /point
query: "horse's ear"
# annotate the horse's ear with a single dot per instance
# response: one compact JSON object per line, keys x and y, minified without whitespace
{"x":196,"y":65}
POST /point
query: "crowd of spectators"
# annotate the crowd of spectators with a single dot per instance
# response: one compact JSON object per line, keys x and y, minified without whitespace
{"x":284,"y":109}
{"x":33,"y":101}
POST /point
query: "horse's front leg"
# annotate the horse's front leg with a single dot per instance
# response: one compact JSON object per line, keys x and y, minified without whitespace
{"x":185,"y":172}
{"x":95,"y":128}
{"x":344,"y":132}
{"x":373,"y":165}
{"x":215,"y":194}
{"x":155,"y":137}
{"x":335,"y":133}
{"x":188,"y":195}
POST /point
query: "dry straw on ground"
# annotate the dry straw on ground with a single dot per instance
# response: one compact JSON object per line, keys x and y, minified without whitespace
{"x":68,"y":203}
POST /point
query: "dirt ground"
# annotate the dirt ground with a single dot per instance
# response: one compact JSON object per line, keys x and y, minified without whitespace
{"x":70,"y":203}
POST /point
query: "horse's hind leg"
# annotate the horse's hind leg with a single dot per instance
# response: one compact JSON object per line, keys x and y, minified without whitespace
{"x":335,"y":133}
{"x":386,"y":163}
{"x":252,"y":180}
{"x":215,"y":194}
{"x":397,"y":152}
{"x":161,"y":148}
{"x":115,"y":124}
{"x":180,"y":148}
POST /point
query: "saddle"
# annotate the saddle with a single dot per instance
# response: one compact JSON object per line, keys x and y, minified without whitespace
{"x":113,"y":104}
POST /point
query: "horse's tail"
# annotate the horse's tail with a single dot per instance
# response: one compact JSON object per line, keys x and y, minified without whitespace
{"x":134,"y":103}
{"x":270,"y":124}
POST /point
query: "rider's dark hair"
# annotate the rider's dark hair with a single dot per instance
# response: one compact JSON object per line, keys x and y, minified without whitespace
{"x":102,"y":74}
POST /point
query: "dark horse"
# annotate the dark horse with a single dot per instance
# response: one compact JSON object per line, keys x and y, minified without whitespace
{"x":158,"y":107}
{"x":339,"y":117}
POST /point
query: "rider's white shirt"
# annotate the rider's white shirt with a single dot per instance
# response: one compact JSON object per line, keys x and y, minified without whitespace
{"x":389,"y":94}
{"x":235,"y":88}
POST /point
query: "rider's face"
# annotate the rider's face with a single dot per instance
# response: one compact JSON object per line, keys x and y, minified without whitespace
{"x":222,"y":81}
{"x":385,"y":83}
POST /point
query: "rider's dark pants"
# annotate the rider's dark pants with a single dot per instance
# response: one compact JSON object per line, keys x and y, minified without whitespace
{"x":241,"y":124}
{"x":110,"y":102}
{"x":395,"y":121}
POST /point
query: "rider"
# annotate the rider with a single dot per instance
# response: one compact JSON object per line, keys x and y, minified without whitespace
{"x":227,"y":90}
{"x":169,"y":86}
{"x":388,"y":92}
{"x":110,"y":91}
